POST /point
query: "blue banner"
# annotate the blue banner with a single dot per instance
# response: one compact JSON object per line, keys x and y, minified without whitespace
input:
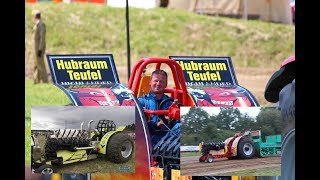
{"x":207,"y":71}
{"x":83,"y":70}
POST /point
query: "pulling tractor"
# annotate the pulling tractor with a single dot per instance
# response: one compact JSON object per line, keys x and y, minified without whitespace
{"x":198,"y":86}
{"x":243,"y":145}
{"x":75,"y":145}
{"x":240,"y":145}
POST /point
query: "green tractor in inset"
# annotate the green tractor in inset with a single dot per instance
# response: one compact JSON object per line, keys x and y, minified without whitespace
{"x":270,"y":147}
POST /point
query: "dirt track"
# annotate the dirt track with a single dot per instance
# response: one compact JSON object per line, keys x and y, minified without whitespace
{"x":190,"y":166}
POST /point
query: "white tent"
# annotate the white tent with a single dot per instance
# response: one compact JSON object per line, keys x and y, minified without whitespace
{"x":266,"y":10}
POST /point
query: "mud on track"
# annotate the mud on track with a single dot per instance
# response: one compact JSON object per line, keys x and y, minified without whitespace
{"x":190,"y":166}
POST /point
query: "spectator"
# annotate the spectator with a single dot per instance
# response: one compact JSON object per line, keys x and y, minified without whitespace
{"x":281,"y":89}
{"x":39,"y":35}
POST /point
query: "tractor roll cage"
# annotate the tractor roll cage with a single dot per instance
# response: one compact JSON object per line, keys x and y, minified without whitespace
{"x":180,"y":87}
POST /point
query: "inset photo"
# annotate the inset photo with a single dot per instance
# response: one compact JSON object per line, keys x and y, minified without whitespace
{"x":82,"y":139}
{"x":230,"y":141}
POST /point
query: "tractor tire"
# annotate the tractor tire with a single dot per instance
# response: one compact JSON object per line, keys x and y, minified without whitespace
{"x":167,"y":146}
{"x":44,"y":169}
{"x":210,"y":159}
{"x":120,"y":148}
{"x":54,"y":144}
{"x":167,"y":151}
{"x":246,"y":148}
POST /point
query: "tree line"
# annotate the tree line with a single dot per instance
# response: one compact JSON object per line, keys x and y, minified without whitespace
{"x":199,"y":126}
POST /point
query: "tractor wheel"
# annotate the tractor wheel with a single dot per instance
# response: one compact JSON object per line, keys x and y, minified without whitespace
{"x":246,"y":148}
{"x":120,"y":148}
{"x":210,"y":159}
{"x":44,"y":169}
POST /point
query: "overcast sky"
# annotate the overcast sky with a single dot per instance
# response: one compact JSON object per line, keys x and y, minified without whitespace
{"x":251,"y":111}
{"x":70,"y":117}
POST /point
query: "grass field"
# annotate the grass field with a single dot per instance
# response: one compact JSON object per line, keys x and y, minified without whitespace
{"x":81,"y":28}
{"x":187,"y":154}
